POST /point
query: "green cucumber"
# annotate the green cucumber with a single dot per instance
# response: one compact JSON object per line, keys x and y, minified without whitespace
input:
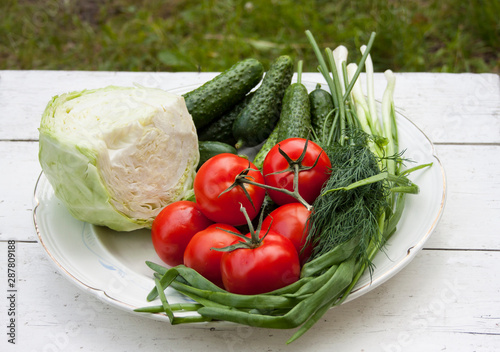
{"x":221,"y":130}
{"x":209,"y":149}
{"x":295,"y":117}
{"x":217,"y":96}
{"x":257,"y":120}
{"x":321,"y":111}
{"x":266,"y":147}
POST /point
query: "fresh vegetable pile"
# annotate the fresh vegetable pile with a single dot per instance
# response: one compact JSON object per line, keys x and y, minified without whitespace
{"x":277,"y":241}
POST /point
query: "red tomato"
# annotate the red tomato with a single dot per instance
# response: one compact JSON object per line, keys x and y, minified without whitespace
{"x":310,"y":181}
{"x":200,"y":256}
{"x":174,"y":227}
{"x":290,"y":220}
{"x":271,"y":265}
{"x":218,"y":174}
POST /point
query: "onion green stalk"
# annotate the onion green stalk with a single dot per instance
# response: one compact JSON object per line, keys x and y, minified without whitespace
{"x":389,"y":118}
{"x":370,"y":90}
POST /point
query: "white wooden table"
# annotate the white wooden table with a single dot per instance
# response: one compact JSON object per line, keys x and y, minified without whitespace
{"x":447,"y":299}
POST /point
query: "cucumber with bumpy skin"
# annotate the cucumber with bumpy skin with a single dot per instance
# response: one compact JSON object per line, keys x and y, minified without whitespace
{"x":219,"y":95}
{"x":321,"y":111}
{"x":221,"y":130}
{"x":209,"y":149}
{"x":295,"y":118}
{"x":257,"y":120}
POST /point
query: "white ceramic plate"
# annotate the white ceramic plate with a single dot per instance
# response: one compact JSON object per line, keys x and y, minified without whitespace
{"x":111,"y":265}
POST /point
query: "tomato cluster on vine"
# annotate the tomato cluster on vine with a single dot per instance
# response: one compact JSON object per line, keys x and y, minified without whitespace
{"x":219,"y":235}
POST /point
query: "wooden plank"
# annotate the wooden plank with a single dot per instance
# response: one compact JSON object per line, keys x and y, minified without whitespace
{"x":441,"y":301}
{"x":449,"y":108}
{"x":20,"y":170}
{"x":470,"y":218}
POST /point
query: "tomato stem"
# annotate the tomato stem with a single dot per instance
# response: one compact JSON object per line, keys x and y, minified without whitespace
{"x":254,"y":241}
{"x":239,"y":182}
{"x":255,"y":237}
{"x":294,"y":166}
{"x":294,"y":194}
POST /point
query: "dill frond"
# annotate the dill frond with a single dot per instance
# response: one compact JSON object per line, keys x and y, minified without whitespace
{"x":341,"y":215}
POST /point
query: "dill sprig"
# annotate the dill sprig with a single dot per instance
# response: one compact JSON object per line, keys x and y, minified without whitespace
{"x":341,"y":215}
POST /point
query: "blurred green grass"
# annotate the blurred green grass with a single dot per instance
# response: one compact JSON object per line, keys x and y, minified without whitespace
{"x":210,"y":35}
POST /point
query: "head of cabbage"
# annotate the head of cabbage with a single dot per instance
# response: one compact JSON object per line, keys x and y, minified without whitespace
{"x":116,"y":156}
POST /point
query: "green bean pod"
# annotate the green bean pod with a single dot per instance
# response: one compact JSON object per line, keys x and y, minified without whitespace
{"x":263,"y":301}
{"x":313,"y":284}
{"x":191,"y":276}
{"x":185,"y":307}
{"x":299,"y":314}
{"x":335,"y":256}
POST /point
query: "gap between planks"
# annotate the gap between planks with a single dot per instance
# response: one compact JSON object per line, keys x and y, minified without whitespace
{"x":461,"y":249}
{"x":424,"y":249}
{"x":435,"y":143}
{"x":17,"y":241}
